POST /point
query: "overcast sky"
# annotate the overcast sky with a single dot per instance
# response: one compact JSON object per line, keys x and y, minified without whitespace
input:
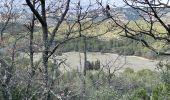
{"x":115,"y":2}
{"x":118,"y":3}
{"x":86,"y":2}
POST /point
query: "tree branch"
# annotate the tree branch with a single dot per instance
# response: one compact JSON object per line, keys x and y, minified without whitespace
{"x":36,"y":13}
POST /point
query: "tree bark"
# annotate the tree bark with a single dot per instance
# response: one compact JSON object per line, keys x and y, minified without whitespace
{"x":85,"y":55}
{"x":46,"y":41}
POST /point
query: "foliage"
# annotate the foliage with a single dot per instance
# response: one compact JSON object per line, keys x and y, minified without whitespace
{"x":121,"y":46}
{"x":93,"y":65}
{"x":128,"y":70}
{"x":141,"y":94}
{"x":145,"y":72}
{"x":159,"y":92}
{"x":128,"y":85}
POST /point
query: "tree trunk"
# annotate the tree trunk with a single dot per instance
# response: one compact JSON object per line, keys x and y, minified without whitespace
{"x":85,"y":55}
{"x":31,"y":75}
{"x":83,"y":77}
{"x":45,"y":49}
{"x":45,"y":60}
{"x":31,"y":49}
{"x":82,"y":87}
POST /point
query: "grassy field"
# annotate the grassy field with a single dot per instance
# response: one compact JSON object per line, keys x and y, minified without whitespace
{"x":113,"y":60}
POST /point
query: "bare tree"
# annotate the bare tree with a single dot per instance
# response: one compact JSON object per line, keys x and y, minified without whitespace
{"x":152,"y":24}
{"x":112,"y":67}
{"x":86,"y":20}
{"x":6,"y":14}
{"x":31,"y":28}
{"x":7,"y":52}
{"x":42,"y":17}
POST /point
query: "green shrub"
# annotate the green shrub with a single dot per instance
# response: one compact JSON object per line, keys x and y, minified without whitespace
{"x":93,"y":65}
{"x":145,"y":72}
{"x":128,"y":71}
{"x":106,"y":94}
{"x":97,"y":65}
{"x":141,"y":94}
{"x":159,"y":92}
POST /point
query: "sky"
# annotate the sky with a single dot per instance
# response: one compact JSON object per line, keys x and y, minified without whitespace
{"x":111,"y":2}
{"x":86,"y":2}
{"x":118,"y":3}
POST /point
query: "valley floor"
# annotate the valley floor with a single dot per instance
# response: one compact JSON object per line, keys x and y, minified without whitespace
{"x":74,"y":59}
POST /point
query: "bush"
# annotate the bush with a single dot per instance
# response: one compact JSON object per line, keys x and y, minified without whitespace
{"x":93,"y":65}
{"x":97,"y":65}
{"x":150,"y":55}
{"x":125,"y":51}
{"x":106,"y":94}
{"x":129,"y":51}
{"x":89,"y":65}
{"x":138,"y":53}
{"x":145,"y":72}
{"x":140,"y":94}
{"x":128,"y":70}
{"x":158,"y":92}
